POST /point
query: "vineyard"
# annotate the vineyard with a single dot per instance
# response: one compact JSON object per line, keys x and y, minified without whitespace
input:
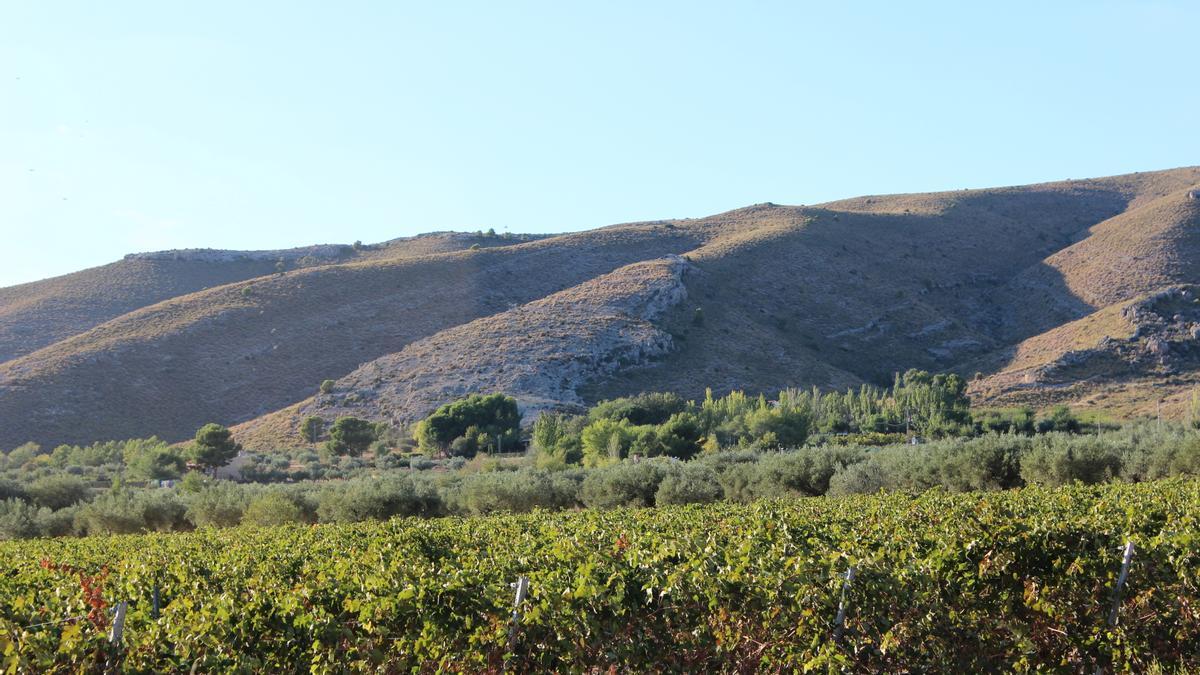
{"x":1018,"y":580}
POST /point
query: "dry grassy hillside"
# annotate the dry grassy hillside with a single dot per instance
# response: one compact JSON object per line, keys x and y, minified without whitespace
{"x":40,"y":313}
{"x":1005,"y":281}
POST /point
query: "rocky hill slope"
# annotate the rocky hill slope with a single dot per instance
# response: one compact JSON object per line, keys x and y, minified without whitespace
{"x":1041,"y":289}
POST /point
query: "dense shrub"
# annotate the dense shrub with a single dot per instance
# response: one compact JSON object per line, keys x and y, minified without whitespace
{"x":391,"y":462}
{"x":55,"y":498}
{"x":219,"y":504}
{"x":258,"y":469}
{"x":1059,"y":460}
{"x":272,"y":507}
{"x":18,"y":519}
{"x":514,"y":492}
{"x":722,"y":460}
{"x":623,"y":484}
{"x":57,"y":492}
{"x":367,"y":499}
{"x":130,"y":511}
{"x":805,"y":472}
{"x":11,"y":489}
{"x":688,"y":484}
{"x":739,"y":482}
{"x":989,"y":462}
{"x":1151,"y":451}
{"x":862,"y":478}
{"x":58,"y":523}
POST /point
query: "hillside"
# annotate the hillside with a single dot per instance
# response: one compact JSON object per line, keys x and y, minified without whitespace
{"x":535,"y":352}
{"x":1013,"y":283}
{"x":40,"y":313}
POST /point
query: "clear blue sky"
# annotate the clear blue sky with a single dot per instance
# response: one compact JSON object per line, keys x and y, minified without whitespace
{"x":130,"y":126}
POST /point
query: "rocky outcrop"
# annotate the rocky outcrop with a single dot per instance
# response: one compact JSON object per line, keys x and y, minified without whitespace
{"x":1166,"y":331}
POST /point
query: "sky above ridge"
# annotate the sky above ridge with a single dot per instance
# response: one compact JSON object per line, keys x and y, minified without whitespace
{"x":134,"y":126}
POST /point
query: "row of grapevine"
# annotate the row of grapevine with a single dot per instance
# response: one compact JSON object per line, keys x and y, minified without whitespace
{"x":1019,"y":580}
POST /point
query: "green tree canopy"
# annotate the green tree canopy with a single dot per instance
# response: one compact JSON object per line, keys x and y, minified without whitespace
{"x":311,"y":428}
{"x":605,"y":441}
{"x":645,"y":408}
{"x":351,"y":436}
{"x":491,"y":415}
{"x":155,"y":462}
{"x":680,"y":436}
{"x":555,"y":438}
{"x":214,"y":446}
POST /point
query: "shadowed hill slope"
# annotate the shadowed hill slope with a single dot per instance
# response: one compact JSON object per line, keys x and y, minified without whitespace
{"x":999,"y":280}
{"x":873,"y":285}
